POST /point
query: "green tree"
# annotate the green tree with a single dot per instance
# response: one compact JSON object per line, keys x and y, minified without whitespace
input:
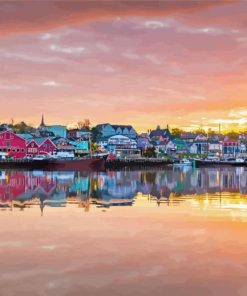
{"x":22,"y":128}
{"x":96,"y":134}
{"x":176,"y":132}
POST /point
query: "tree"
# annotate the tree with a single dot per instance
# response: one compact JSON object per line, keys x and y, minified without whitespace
{"x":176,"y":132}
{"x":22,"y":128}
{"x":149,"y":152}
{"x":84,"y":124}
{"x":96,"y":133}
{"x":200,"y":131}
{"x":211,"y":132}
{"x":95,"y":148}
{"x":232,"y":135}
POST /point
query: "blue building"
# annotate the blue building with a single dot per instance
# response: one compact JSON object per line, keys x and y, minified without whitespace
{"x":108,"y":130}
{"x":52,"y":130}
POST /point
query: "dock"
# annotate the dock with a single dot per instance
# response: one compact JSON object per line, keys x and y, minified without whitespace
{"x":137,"y":162}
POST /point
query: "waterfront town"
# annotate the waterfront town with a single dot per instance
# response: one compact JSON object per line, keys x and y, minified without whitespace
{"x":20,"y":140}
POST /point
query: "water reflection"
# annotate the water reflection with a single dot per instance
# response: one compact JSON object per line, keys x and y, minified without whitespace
{"x":223,"y":187}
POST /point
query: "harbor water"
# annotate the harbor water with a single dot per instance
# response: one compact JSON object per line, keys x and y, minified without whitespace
{"x":174,"y":231}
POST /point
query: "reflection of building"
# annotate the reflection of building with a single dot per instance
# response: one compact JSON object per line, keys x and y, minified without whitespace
{"x":116,"y":186}
{"x":24,"y":185}
{"x":57,"y":189}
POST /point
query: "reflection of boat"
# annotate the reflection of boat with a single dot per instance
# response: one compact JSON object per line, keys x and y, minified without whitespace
{"x":183,"y":163}
{"x":79,"y":164}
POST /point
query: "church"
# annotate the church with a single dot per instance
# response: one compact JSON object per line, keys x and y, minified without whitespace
{"x":51,"y":130}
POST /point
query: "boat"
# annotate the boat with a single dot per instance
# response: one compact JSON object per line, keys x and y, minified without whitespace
{"x":183,"y":163}
{"x":94,"y":163}
{"x":229,"y":161}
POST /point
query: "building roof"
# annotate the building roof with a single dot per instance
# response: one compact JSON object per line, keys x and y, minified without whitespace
{"x":83,"y":130}
{"x":56,"y":126}
{"x":165,"y":133}
{"x":39,"y":141}
{"x":119,"y":137}
{"x":103,"y":139}
{"x":116,"y":126}
{"x":231,"y":141}
{"x":26,"y":136}
{"x":46,"y":133}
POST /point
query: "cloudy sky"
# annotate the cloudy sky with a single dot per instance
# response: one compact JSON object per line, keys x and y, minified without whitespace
{"x":180,"y":63}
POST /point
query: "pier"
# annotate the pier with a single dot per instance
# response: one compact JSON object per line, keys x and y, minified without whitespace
{"x":138,"y":162}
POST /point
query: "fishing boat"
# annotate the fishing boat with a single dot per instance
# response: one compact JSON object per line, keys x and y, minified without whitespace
{"x":94,"y":163}
{"x":183,"y":163}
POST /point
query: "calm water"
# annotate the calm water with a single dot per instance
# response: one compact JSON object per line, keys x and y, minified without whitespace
{"x":170,"y":232}
{"x":204,"y":188}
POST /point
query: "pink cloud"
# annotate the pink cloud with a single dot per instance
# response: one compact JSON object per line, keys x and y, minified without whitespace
{"x":118,"y":70}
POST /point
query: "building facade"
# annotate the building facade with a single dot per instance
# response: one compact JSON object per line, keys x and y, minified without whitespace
{"x":40,"y":146}
{"x":58,"y":130}
{"x":231,"y":147}
{"x":78,"y":133}
{"x":12,"y":144}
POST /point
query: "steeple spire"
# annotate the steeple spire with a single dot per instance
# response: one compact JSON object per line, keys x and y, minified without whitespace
{"x":42,"y":121}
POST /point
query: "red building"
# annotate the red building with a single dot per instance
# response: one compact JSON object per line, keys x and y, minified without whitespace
{"x":12,"y":144}
{"x":40,"y":146}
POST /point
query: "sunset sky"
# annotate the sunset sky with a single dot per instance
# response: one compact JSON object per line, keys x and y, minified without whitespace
{"x":146,"y":63}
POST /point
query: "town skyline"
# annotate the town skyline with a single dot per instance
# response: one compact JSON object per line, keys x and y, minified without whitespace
{"x":87,"y":124}
{"x":139,"y":63}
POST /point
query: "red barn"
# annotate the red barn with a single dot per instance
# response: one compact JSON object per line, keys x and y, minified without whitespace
{"x":39,"y":146}
{"x":12,"y":144}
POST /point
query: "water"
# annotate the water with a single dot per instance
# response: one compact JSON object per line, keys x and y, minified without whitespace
{"x":168,"y":232}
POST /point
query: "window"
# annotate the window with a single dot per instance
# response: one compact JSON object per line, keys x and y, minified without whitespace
{"x":22,"y":150}
{"x":13,"y":150}
{"x":7,"y":143}
{"x":9,"y":149}
{"x":7,"y":136}
{"x":18,"y":150}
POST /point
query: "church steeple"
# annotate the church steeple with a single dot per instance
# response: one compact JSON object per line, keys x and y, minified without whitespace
{"x":42,"y":121}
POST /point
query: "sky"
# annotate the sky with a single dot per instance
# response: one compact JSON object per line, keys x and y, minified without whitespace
{"x":181,"y":63}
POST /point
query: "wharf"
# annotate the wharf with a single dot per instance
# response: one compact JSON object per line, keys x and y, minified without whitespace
{"x":137,"y":162}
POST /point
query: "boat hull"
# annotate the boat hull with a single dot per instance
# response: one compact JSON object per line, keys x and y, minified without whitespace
{"x":92,"y":164}
{"x":200,"y":163}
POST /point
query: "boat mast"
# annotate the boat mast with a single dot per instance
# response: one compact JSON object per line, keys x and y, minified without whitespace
{"x":220,"y":154}
{"x":90,"y":144}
